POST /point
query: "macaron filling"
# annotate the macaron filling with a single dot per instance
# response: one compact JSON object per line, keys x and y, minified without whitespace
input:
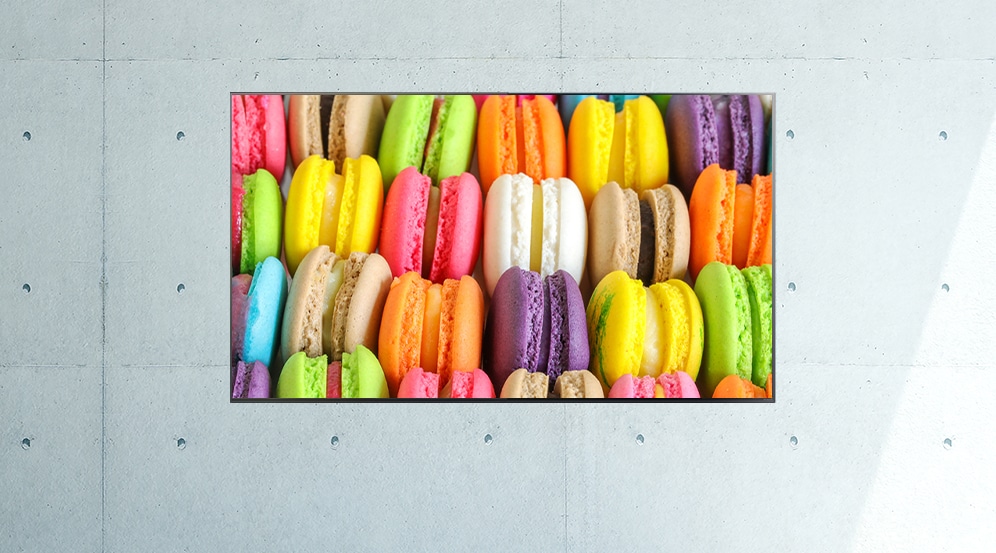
{"x":333,"y":380}
{"x":555,"y":290}
{"x":648,"y":242}
{"x":744,"y":323}
{"x":535,"y":385}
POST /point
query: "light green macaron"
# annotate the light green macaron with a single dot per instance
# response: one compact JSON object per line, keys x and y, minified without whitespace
{"x":759,"y":292}
{"x":262,"y":219}
{"x":303,"y":377}
{"x":362,"y":375}
{"x":726,"y":313}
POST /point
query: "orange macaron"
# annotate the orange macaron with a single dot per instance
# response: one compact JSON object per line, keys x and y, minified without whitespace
{"x":438,"y":327}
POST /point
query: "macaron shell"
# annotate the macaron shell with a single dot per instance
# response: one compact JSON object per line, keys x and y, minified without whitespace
{"x":419,"y":384}
{"x":361,"y":207}
{"x":367,"y":304}
{"x":613,"y":232}
{"x":743,"y":217}
{"x":759,"y":249}
{"x":639,"y":149}
{"x":722,"y":293}
{"x":735,"y":387}
{"x":759,"y":293}
{"x":545,"y":155}
{"x":240,"y":136}
{"x":565,"y":228}
{"x":259,"y":134}
{"x":508,"y":215}
{"x":711,"y":216}
{"x":274,"y":134}
{"x":400,"y":338}
{"x":458,"y":229}
{"x":304,"y":127}
{"x":673,"y":232}
{"x":515,"y":325}
{"x":684,"y":333}
{"x":589,"y":142}
{"x":266,"y":298}
{"x":616,"y":317}
{"x":524,"y":384}
{"x":356,"y":126}
{"x":452,"y":145}
{"x":496,"y":140}
{"x":303,"y":377}
{"x":566,"y":325}
{"x":305,"y":203}
{"x":362,"y":375}
{"x":461,"y":327}
{"x":302,"y":320}
{"x":404,"y":219}
{"x":690,"y":121}
{"x":405,"y":131}
{"x":262,"y":219}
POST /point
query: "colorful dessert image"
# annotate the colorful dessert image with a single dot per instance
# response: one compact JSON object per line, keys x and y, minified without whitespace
{"x":496,"y":247}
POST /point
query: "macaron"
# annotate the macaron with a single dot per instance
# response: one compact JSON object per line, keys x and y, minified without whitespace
{"x":473,"y":384}
{"x":437,"y":327}
{"x":578,"y":385}
{"x":237,"y":194}
{"x":261,"y":219}
{"x":735,"y":387}
{"x":724,"y":129}
{"x":419,"y":384}
{"x":535,"y":323}
{"x":528,"y":138}
{"x":358,"y":375}
{"x":265,"y":305}
{"x":434,"y":135}
{"x":435,"y":231}
{"x":629,"y":147}
{"x":567,"y":103}
{"x":250,"y":381}
{"x":334,"y":304}
{"x":730,"y":222}
{"x":541,"y":227}
{"x":647,"y":235}
{"x":346,"y":125}
{"x":480,"y":98}
{"x":677,"y":385}
{"x":726,"y":311}
{"x":643,"y":331}
{"x":259,"y":134}
{"x":759,"y":295}
{"x":525,"y":384}
{"x":240,"y":305}
{"x":342,"y":212}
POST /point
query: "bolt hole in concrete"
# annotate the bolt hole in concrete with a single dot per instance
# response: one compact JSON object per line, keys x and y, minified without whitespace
{"x":26,"y":288}
{"x":791,"y":287}
{"x":26,"y":136}
{"x":488,"y":439}
{"x":948,"y":443}
{"x":794,"y":442}
{"x":181,"y":443}
{"x":945,"y":287}
{"x":26,"y":443}
{"x":790,"y":134}
{"x":180,"y":135}
{"x":942,"y":136}
{"x":639,"y":439}
{"x":180,"y":288}
{"x":334,"y":441}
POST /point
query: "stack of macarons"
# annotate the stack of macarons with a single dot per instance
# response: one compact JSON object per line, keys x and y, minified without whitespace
{"x":514,"y":246}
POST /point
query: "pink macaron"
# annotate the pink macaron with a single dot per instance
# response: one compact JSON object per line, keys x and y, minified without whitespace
{"x":259,"y":134}
{"x":435,"y":231}
{"x":419,"y":384}
{"x":668,"y":385}
{"x":473,"y":384}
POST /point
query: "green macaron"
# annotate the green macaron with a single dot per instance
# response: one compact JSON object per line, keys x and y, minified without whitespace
{"x":362,"y":375}
{"x":406,"y":128}
{"x":452,"y":145}
{"x":262,"y":219}
{"x":759,"y":293}
{"x":723,"y":295}
{"x":303,"y":377}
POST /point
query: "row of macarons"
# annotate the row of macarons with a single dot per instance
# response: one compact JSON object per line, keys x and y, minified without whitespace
{"x":347,"y":328}
{"x":590,"y":139}
{"x":443,"y":232}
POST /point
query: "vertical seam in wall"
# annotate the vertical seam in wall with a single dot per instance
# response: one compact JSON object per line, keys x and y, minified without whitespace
{"x":565,"y":468}
{"x":561,"y":3}
{"x":103,"y":266}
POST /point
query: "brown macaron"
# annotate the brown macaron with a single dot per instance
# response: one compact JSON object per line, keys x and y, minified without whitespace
{"x":347,"y":125}
{"x":334,"y":304}
{"x":647,"y":236}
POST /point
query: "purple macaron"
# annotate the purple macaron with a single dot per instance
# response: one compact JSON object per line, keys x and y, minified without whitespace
{"x":536,"y":324}
{"x":724,"y":129}
{"x":250,"y":381}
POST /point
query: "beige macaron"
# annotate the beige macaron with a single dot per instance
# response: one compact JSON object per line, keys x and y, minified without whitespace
{"x":619,"y":220}
{"x":347,"y":125}
{"x":577,"y":385}
{"x":524,"y":384}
